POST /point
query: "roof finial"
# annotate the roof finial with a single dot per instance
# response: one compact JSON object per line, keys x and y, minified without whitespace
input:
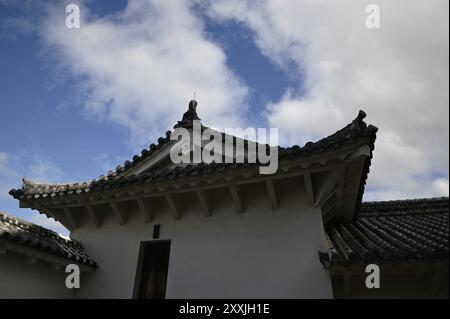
{"x":358,"y":123}
{"x":190,"y":115}
{"x":194,"y":95}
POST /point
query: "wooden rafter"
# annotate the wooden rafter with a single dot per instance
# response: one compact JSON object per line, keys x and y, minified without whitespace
{"x":309,"y":188}
{"x":172,"y":206}
{"x":204,"y":199}
{"x":324,"y":191}
{"x":70,"y":218}
{"x":93,"y":215}
{"x":119,"y":214}
{"x":271,"y":193}
{"x":236,"y":198}
{"x":146,"y":206}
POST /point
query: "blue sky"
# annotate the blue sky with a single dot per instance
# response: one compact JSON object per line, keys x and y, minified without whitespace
{"x":75,"y":103}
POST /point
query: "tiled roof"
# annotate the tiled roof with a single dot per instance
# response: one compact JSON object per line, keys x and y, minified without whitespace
{"x":356,"y":129}
{"x":42,"y":239}
{"x":391,"y":231}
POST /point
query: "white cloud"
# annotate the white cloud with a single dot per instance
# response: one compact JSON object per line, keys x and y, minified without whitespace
{"x":36,"y":167}
{"x":441,"y":186}
{"x":43,"y":170}
{"x":6,"y":175}
{"x":141,"y":66}
{"x":106,"y":162}
{"x":398,"y":74}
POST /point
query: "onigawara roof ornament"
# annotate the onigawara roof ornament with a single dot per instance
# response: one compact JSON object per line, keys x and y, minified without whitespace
{"x":189,"y":116}
{"x":358,"y":123}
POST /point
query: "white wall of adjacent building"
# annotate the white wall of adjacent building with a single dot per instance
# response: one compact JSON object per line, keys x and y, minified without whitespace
{"x":260,"y":253}
{"x":22,"y":279}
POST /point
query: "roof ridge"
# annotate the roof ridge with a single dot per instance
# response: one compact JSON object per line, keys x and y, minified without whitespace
{"x":27,"y":181}
{"x":441,"y":198}
{"x":415,"y":206}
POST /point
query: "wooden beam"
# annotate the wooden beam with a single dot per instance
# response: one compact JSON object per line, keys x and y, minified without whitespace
{"x":119,"y":214}
{"x":236,"y":198}
{"x":309,"y":188}
{"x":326,"y":188}
{"x":204,"y":199}
{"x":72,"y":220}
{"x":172,"y":206}
{"x":145,"y":206}
{"x":94,"y":216}
{"x":272,"y":194}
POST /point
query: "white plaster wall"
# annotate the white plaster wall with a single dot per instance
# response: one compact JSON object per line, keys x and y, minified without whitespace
{"x":257,"y":254}
{"x":19,"y":279}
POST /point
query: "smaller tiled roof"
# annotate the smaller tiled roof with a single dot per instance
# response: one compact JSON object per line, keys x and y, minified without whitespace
{"x":391,"y":231}
{"x":18,"y":231}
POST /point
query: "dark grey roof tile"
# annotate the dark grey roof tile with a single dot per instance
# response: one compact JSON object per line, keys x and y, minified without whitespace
{"x":36,"y":237}
{"x":392,"y":231}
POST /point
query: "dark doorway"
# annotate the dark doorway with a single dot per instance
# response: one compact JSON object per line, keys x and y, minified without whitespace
{"x":154,"y":263}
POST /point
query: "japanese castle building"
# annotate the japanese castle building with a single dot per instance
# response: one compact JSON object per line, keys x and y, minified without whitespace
{"x":155,"y":229}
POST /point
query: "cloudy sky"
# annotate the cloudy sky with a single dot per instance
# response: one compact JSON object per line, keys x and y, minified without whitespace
{"x":78,"y":102}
